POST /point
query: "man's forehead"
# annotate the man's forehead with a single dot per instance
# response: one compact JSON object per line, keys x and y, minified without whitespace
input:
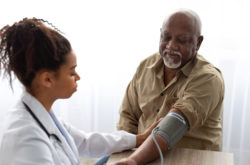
{"x":183,"y":29}
{"x":185,"y":20}
{"x":185,"y":35}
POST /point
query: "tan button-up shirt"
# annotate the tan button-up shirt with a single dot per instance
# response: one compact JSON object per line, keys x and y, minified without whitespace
{"x":197,"y":91}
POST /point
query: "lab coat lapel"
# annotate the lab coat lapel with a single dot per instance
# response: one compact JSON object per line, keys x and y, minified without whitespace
{"x":44,"y":117}
{"x":71,"y":146}
{"x":72,"y":154}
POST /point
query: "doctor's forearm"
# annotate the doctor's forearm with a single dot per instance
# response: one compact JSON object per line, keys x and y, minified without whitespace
{"x":148,"y":151}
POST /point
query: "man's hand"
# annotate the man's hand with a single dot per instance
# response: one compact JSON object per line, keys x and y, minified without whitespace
{"x":140,"y":138}
{"x":125,"y":161}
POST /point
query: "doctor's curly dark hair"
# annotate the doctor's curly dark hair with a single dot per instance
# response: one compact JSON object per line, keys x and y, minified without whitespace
{"x":29,"y":46}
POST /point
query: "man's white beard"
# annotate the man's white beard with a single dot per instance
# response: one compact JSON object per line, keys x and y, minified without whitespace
{"x":169,"y":62}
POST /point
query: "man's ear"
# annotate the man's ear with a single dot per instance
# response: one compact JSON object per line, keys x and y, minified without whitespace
{"x":46,"y":79}
{"x":200,"y":39}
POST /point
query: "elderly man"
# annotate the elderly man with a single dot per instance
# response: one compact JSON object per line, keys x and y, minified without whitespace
{"x":179,"y":85}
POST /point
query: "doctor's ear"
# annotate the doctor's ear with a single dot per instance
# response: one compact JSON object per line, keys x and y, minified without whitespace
{"x":46,"y":79}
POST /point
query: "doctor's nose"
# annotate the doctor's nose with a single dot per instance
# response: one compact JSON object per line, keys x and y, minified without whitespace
{"x":77,"y":77}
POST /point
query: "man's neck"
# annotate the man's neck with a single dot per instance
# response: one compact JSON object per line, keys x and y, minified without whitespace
{"x":169,"y":74}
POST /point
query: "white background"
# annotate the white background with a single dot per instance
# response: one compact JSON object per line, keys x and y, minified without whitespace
{"x":111,"y":37}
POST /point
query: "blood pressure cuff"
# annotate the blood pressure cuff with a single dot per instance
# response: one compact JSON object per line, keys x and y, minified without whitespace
{"x":172,"y":128}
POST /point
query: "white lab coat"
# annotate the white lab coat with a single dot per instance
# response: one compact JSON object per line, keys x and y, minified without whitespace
{"x":25,"y":143}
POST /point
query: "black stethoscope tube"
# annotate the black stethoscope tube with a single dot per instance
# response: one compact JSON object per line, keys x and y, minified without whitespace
{"x":39,"y":123}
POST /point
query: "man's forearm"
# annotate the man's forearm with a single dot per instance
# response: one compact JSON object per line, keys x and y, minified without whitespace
{"x":148,"y":151}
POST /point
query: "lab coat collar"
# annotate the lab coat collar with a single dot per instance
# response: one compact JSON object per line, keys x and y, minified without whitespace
{"x":71,"y":140}
{"x":44,"y":117}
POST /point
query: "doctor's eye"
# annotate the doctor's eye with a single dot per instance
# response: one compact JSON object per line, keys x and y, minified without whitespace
{"x":73,"y":73}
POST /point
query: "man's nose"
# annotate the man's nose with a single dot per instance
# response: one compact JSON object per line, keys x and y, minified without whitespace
{"x":172,"y":45}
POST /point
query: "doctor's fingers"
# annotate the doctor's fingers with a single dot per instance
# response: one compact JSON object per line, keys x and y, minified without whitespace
{"x":149,"y":130}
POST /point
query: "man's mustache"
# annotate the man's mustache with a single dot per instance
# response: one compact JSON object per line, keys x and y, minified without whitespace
{"x":172,"y":52}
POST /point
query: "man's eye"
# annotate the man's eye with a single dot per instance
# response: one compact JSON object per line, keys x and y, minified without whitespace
{"x":166,"y":38}
{"x":182,"y":41}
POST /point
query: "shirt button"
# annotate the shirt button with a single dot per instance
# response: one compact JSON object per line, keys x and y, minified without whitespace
{"x":157,"y":110}
{"x":162,"y":94}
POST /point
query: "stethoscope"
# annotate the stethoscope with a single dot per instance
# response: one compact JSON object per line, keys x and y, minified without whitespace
{"x":44,"y":129}
{"x":40,"y":124}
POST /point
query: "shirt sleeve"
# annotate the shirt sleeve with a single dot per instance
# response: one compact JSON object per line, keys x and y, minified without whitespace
{"x":129,"y":110}
{"x":101,"y":144}
{"x":202,"y":96}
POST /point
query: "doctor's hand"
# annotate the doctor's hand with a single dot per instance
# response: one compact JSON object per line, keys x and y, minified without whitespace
{"x":140,"y":138}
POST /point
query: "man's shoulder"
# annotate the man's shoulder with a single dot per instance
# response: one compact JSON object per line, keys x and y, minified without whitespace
{"x":205,"y":68}
{"x":150,"y":61}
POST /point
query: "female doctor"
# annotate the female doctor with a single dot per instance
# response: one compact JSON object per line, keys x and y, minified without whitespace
{"x":44,"y":62}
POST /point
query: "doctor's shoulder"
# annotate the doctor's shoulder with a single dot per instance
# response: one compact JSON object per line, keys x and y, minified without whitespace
{"x":20,"y":124}
{"x":22,"y":138}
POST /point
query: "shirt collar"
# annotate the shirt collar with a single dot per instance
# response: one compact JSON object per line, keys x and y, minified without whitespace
{"x":157,"y":64}
{"x":186,"y":69}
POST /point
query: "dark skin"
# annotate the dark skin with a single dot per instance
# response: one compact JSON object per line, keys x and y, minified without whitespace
{"x":179,"y":33}
{"x":182,"y":34}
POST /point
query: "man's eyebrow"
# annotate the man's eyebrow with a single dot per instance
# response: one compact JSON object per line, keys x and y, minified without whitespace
{"x":184,"y":35}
